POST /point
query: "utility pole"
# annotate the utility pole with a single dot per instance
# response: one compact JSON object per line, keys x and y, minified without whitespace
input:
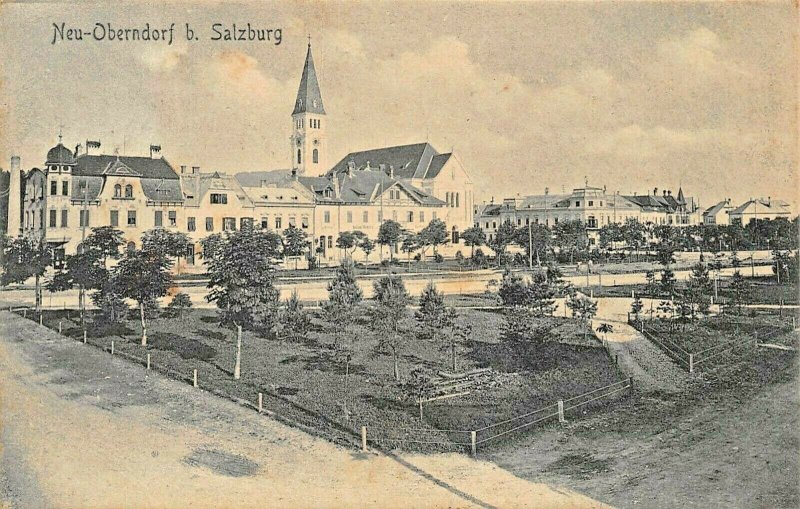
{"x":530,"y":247}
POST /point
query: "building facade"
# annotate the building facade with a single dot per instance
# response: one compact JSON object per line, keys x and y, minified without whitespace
{"x":75,"y":190}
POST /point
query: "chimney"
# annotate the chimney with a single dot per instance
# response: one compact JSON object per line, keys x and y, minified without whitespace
{"x":669,"y":193}
{"x":15,"y":199}
{"x":655,"y":191}
{"x":382,"y":167}
{"x":664,"y":193}
{"x":391,"y":171}
{"x":195,"y":170}
{"x":183,"y":168}
{"x":368,"y":166}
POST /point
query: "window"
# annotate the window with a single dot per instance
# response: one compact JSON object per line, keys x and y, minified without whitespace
{"x":278,"y":222}
{"x":292,"y":221}
{"x":326,"y":216}
{"x":458,"y":196}
{"x":528,"y":221}
{"x":117,"y":191}
{"x":131,"y":246}
{"x":114,"y":220}
{"x":365,"y":217}
{"x":84,"y":218}
{"x":190,"y":254}
{"x":246,"y":222}
{"x":330,"y":242}
{"x":219,"y":199}
{"x":159,"y":218}
{"x":64,"y":216}
{"x":53,"y":188}
{"x":380,"y":216}
{"x":314,"y":155}
{"x":447,"y":198}
{"x":129,"y":191}
{"x":265,"y":223}
{"x":190,"y":224}
{"x":52,"y":219}
{"x":131,"y":218}
{"x":173,"y":218}
{"x":209,"y":224}
{"x":591,"y":222}
{"x":421,"y":216}
{"x":410,"y":218}
{"x":494,"y":224}
{"x":591,"y":203}
{"x":299,"y":157}
{"x":519,"y":221}
{"x":304,"y":222}
{"x":349,"y":216}
{"x":435,"y":215}
{"x":577,"y":204}
{"x":65,"y":188}
{"x":228,"y":223}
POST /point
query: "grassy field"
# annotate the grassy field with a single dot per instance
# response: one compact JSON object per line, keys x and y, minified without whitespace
{"x":306,"y":382}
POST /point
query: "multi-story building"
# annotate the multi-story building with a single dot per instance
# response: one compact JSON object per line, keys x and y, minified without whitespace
{"x":593,"y":206}
{"x":759,"y":208}
{"x":75,"y":190}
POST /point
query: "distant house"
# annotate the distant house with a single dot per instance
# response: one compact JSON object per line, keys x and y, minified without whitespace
{"x":719,"y":214}
{"x":759,"y":209}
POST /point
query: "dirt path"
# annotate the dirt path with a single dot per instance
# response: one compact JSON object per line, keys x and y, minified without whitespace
{"x":637,"y":357}
{"x":83,"y":429}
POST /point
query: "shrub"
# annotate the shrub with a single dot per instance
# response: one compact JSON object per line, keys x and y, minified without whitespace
{"x":438,"y":258}
{"x":178,"y":306}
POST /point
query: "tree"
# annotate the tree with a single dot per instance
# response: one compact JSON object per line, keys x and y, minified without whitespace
{"x":389,"y":235}
{"x":108,"y":298}
{"x":668,"y":281}
{"x":392,"y":299}
{"x":86,"y":270}
{"x":537,"y":237}
{"x":348,"y":241}
{"x":242,"y":278}
{"x":143,"y":276}
{"x":504,"y":236}
{"x":409,"y":245}
{"x":26,"y":258}
{"x":295,"y":320}
{"x":541,"y":295}
{"x":570,"y":237}
{"x":604,"y":329}
{"x":780,"y":267}
{"x":473,"y":237}
{"x":434,"y":234}
{"x":211,"y":246}
{"x":367,"y":245}
{"x":739,"y":288}
{"x":432,"y":315}
{"x":583,"y":308}
{"x":107,"y":240}
{"x":636,"y":306}
{"x":633,"y":233}
{"x":167,"y":242}
{"x":295,"y":243}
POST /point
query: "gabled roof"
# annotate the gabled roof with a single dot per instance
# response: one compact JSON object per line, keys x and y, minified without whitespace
{"x":145,"y":167}
{"x":218,"y":181}
{"x":261,"y":178}
{"x":419,"y":160}
{"x":309,"y":97}
{"x":119,"y":168}
{"x":772,"y":206}
{"x":362,"y":186}
{"x":712,"y":211}
{"x":650,"y":202}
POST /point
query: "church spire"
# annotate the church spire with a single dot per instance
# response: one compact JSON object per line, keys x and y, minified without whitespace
{"x":309,"y":97}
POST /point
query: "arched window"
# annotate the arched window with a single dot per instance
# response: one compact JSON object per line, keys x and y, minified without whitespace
{"x":129,"y":191}
{"x":299,"y":157}
{"x":117,"y":191}
{"x":458,"y":195}
{"x":131,"y":246}
{"x":315,"y":156}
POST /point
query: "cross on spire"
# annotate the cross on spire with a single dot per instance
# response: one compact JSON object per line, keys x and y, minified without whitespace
{"x":60,"y":132}
{"x":309,"y":40}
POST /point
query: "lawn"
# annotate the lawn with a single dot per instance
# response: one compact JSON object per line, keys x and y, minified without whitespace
{"x":305,"y":381}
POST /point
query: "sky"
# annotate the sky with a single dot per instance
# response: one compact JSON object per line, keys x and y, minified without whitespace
{"x":627,"y":95}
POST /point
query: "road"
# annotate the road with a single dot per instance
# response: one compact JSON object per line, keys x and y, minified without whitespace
{"x":469,"y":283}
{"x":81,"y":428}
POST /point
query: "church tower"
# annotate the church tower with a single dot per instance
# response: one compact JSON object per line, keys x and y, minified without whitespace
{"x":309,"y":150}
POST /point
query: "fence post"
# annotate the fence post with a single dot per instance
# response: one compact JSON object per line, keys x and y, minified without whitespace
{"x":59,"y":326}
{"x":633,"y":294}
{"x":260,"y":402}
{"x":420,"y":408}
{"x":561,"y":412}
{"x":630,"y":384}
{"x":112,"y":347}
{"x":41,"y":317}
{"x":24,"y":313}
{"x":237,"y":369}
{"x":84,"y":336}
{"x":194,"y":378}
{"x":691,"y":363}
{"x":364,"y":438}
{"x":148,"y":361}
{"x":473,"y":442}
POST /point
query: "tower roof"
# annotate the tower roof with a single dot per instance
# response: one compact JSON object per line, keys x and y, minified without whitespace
{"x":309,"y":98}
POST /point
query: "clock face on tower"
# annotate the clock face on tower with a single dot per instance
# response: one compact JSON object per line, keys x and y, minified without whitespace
{"x":316,"y":142}
{"x":299,"y":142}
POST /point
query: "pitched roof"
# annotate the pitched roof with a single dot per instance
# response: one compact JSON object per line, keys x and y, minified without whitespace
{"x":145,"y":167}
{"x":260,"y":178}
{"x":362,"y":186}
{"x":712,"y":211}
{"x":653,"y":202}
{"x":309,"y":97}
{"x":161,"y":190}
{"x":773,"y":206}
{"x":419,"y":160}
